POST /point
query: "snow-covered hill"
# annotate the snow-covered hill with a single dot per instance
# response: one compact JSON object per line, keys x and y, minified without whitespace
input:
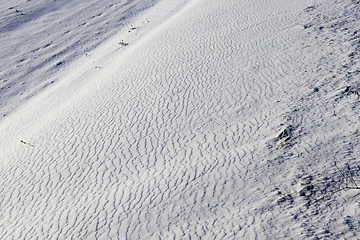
{"x":208,"y":120}
{"x":39,"y":38}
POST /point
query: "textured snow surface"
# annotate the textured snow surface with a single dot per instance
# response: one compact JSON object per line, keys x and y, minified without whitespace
{"x":40,"y":37}
{"x":210,"y":120}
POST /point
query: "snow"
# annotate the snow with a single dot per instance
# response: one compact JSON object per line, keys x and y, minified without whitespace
{"x":209,"y":120}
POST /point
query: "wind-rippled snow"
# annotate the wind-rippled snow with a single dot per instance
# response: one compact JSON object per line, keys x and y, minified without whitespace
{"x":209,"y":120}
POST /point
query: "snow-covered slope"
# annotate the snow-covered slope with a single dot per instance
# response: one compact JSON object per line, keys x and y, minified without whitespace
{"x":39,"y":38}
{"x":210,"y":120}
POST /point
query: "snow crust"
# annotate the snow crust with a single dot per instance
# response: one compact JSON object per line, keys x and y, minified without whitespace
{"x":179,"y":119}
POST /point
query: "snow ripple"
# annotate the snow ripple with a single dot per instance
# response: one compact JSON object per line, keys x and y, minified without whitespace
{"x":154,"y":144}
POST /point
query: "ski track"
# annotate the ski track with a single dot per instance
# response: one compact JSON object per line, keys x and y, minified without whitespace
{"x":150,"y":150}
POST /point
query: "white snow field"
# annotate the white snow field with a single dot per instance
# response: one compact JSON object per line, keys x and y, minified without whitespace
{"x":210,"y":120}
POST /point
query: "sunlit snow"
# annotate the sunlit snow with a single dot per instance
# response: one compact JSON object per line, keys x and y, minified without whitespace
{"x":179,"y":119}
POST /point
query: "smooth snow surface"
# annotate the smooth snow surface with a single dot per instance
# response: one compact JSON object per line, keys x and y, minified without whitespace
{"x":211,"y":120}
